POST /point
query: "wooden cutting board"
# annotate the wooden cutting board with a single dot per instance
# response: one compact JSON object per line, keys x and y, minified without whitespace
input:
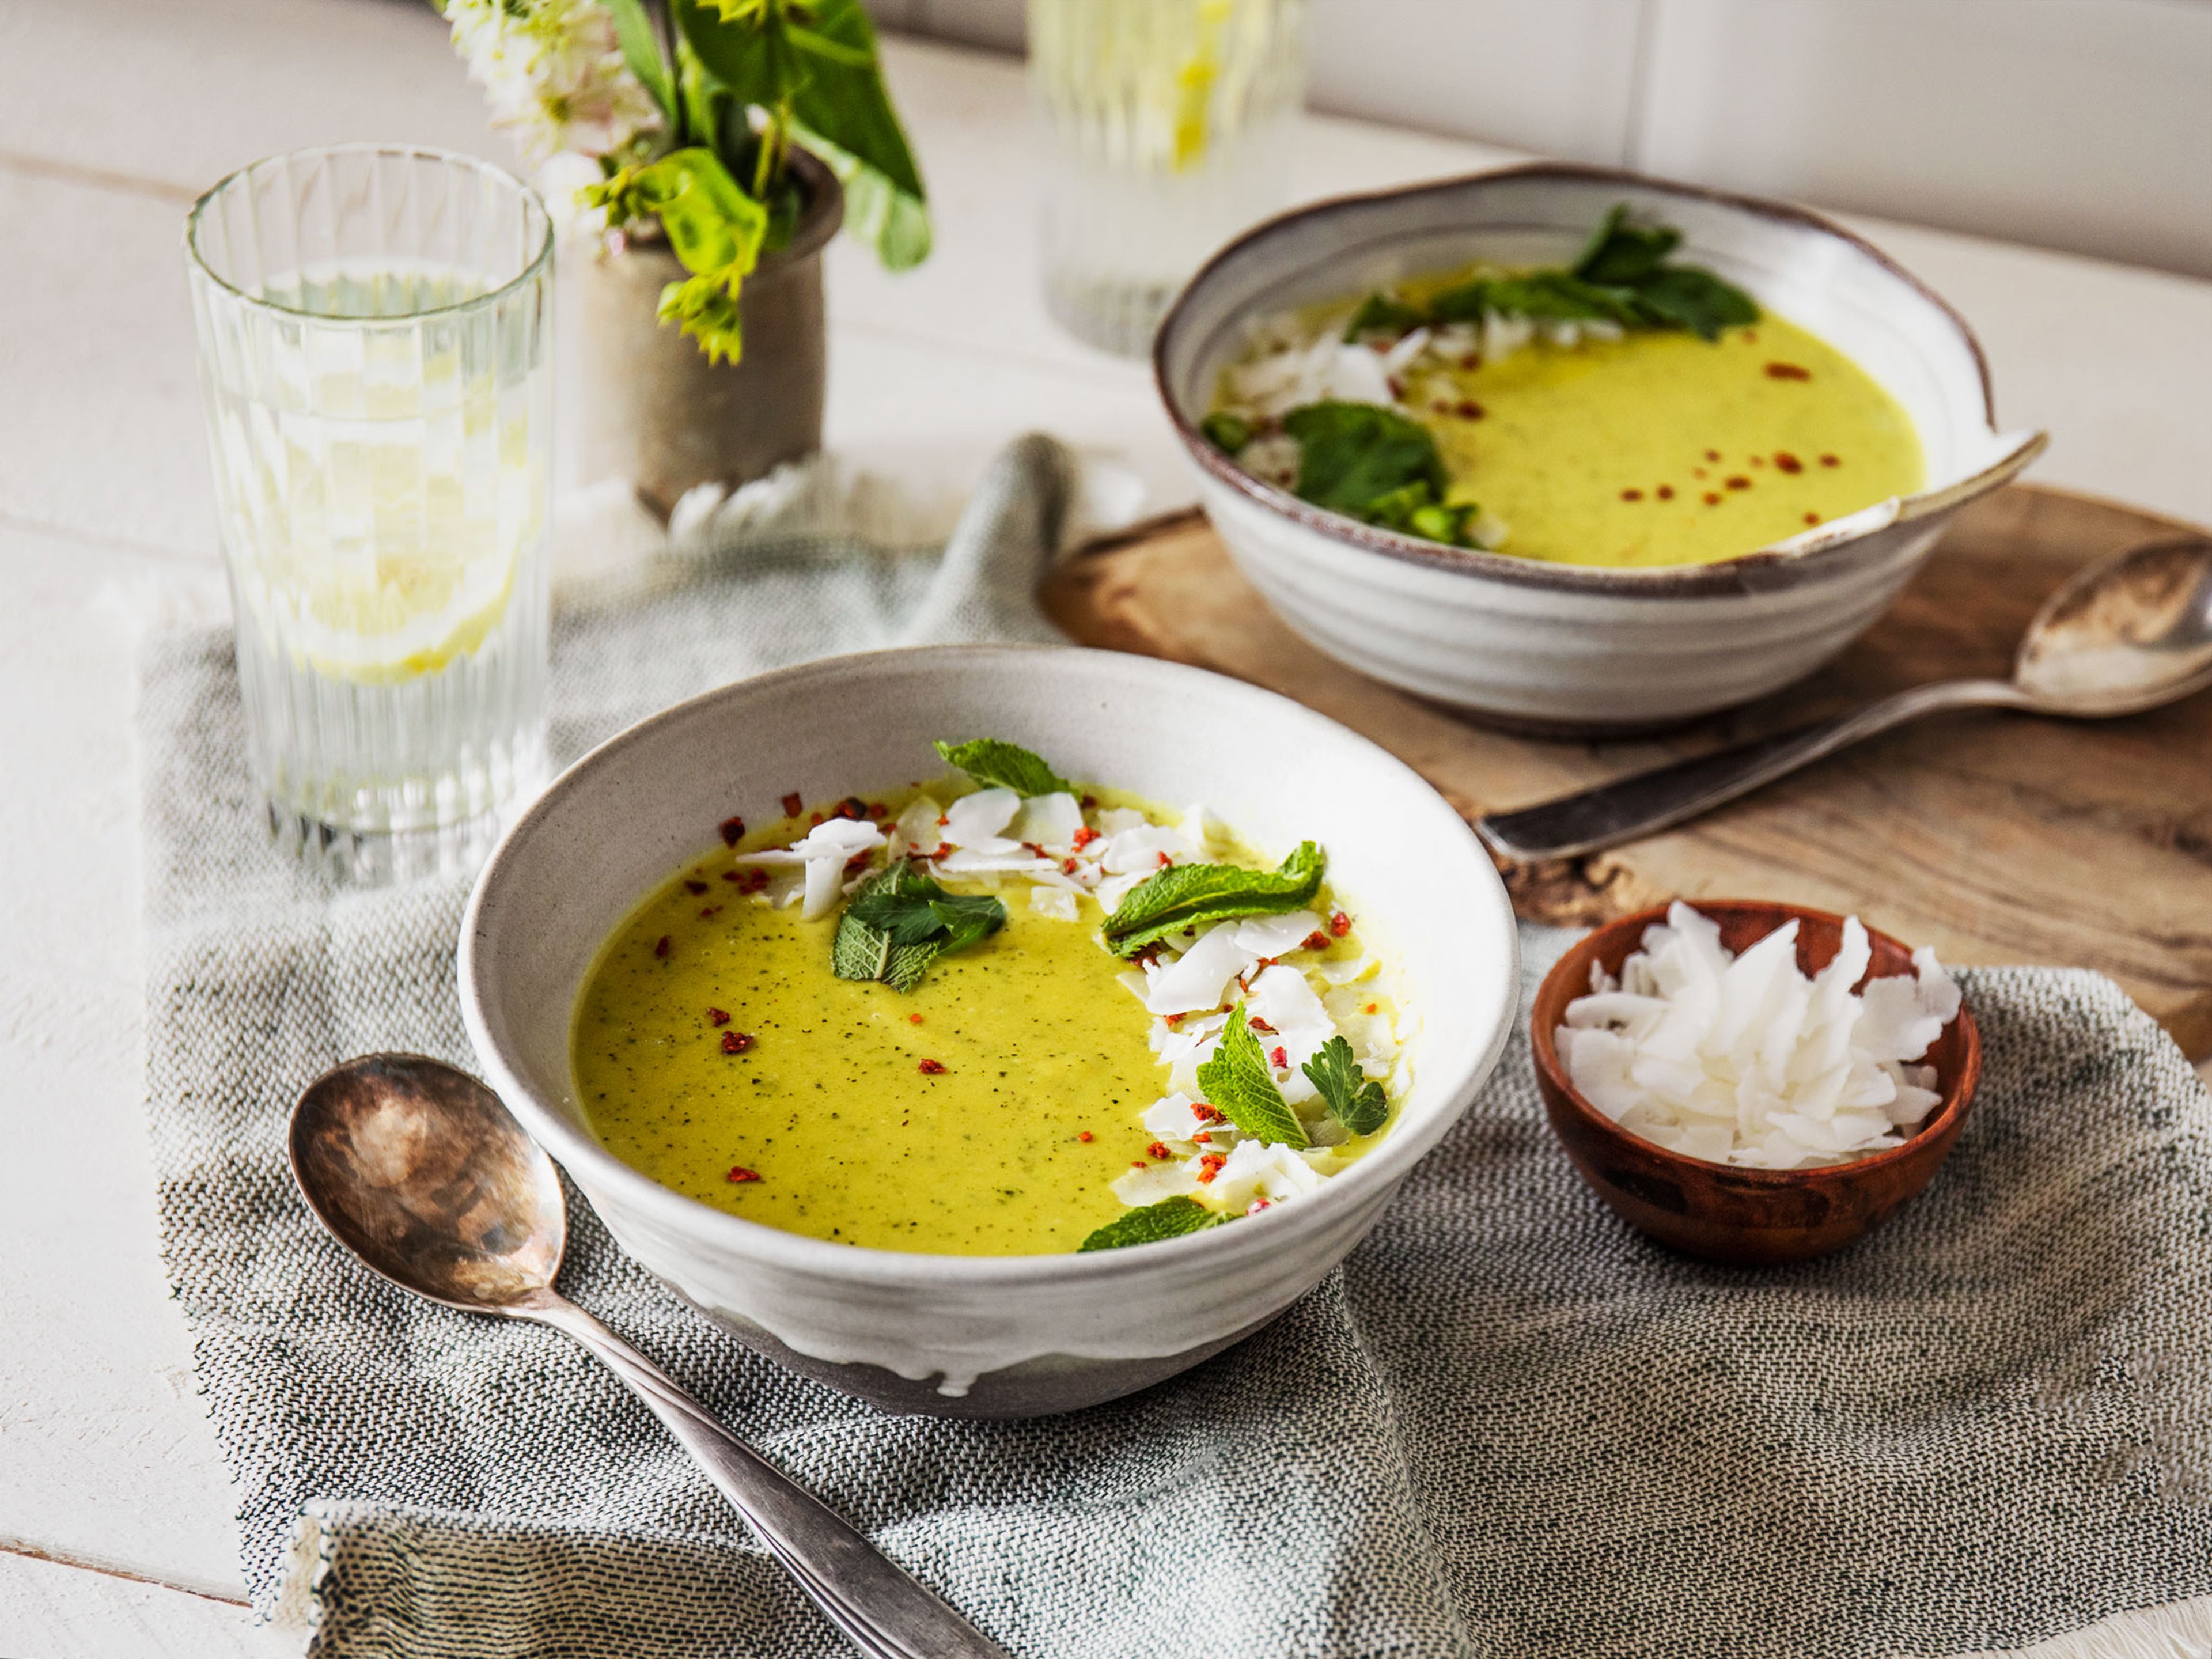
{"x":1996,"y":837}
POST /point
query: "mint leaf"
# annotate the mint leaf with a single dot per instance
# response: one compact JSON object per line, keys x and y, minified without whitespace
{"x":1225,"y":432}
{"x":901,"y":921}
{"x":1197,"y":895}
{"x":1692,"y":298}
{"x":1000,"y":765}
{"x":1237,"y":1083}
{"x":1349,"y":455}
{"x":1618,"y":251}
{"x":1384,"y":314}
{"x":1171,"y":1217}
{"x":1355,"y":1099}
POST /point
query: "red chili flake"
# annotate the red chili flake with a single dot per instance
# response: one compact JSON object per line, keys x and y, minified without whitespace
{"x":1371,"y":1008}
{"x":1316,"y":940}
{"x":1203,"y":1138}
{"x":733,"y":831}
{"x":741,"y":1176}
{"x":943,"y":851}
{"x":1209,"y":1166}
{"x":1085,"y":1137}
{"x":694,"y":888}
{"x":853,"y":808}
{"x":1158,"y":1149}
{"x":858,"y":861}
{"x":1260,"y":1024}
{"x":1174,"y":1022}
{"x":1166,"y":860}
{"x":1788,"y":372}
{"x":756,"y":881}
{"x":1632,"y":495}
{"x":1089,"y":802}
{"x":1468,"y":410}
{"x":1068,"y":866}
{"x":1712,"y":454}
{"x":718,"y":1016}
{"x":661,"y":946}
{"x":1711,"y":499}
{"x":736,"y":1043}
{"x":1737,"y":481}
{"x":709,"y":912}
{"x":1280,"y":1057}
{"x":1829,"y":460}
{"x":878,"y":810}
{"x":913,"y":1019}
{"x":1339,"y":924}
{"x":1787,"y":462}
{"x":929,"y":1068}
{"x":814,"y":820}
{"x":1086,"y":836}
{"x":733,"y":875}
{"x":1666,"y":492}
{"x":793,"y":805}
{"x":1812,"y":518}
{"x":943,"y":818}
{"x":1397,"y":389}
{"x":1255,"y":1207}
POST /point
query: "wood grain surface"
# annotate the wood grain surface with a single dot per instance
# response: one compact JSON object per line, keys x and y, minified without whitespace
{"x":1996,"y":837}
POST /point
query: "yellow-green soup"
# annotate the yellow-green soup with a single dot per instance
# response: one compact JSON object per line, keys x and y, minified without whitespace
{"x":985,"y":1112}
{"x":1661,"y":448}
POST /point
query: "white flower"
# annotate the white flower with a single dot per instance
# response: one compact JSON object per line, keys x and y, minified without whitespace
{"x":553,"y":73}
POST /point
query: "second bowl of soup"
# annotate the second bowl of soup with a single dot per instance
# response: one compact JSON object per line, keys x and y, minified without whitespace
{"x":1576,"y":450}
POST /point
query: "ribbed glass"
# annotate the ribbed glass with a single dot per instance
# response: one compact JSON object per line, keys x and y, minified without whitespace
{"x":1167,"y":124}
{"x":376,"y":333}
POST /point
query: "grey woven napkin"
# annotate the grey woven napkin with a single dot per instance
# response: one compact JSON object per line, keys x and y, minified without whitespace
{"x":1507,"y":1427}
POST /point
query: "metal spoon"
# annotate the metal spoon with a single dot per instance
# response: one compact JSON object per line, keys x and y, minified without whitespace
{"x":2131,"y":633}
{"x":419,"y":1170}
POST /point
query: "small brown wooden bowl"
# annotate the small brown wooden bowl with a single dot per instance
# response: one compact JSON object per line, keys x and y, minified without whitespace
{"x":1745,"y":1217}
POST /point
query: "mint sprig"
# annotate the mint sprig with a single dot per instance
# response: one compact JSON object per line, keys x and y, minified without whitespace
{"x":1171,"y":1217}
{"x":1354,"y":1099}
{"x":997,"y":764}
{"x":1237,"y":1083}
{"x":901,"y":920}
{"x":1198,"y":895}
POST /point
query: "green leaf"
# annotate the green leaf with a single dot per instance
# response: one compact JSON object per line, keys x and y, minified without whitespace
{"x":1384,"y":314}
{"x":640,"y":50}
{"x":892,"y":221}
{"x":1618,"y":251}
{"x":1198,"y":895}
{"x":1000,"y":765}
{"x":847,"y":103}
{"x":713,"y":228}
{"x":1687,"y":297}
{"x":901,"y":921}
{"x":1355,"y":1099}
{"x":1225,"y":432}
{"x":1237,"y":1083}
{"x":1463,"y":304}
{"x":1558,"y":296}
{"x":744,"y":47}
{"x":1171,"y":1217}
{"x":1351,"y":455}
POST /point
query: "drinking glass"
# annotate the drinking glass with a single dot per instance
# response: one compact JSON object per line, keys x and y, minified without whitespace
{"x":375,"y":345}
{"x":1168,"y":122}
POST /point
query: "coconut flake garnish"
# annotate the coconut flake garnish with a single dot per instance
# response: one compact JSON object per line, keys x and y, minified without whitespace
{"x":1742,"y":1059}
{"x":825,"y":850}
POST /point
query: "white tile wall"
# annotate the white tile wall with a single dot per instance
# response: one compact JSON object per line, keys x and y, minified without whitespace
{"x":2083,"y":125}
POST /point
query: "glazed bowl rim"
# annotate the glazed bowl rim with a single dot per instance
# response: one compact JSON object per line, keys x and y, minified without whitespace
{"x":1661,"y":581}
{"x":732,"y":1237}
{"x":1957,"y":1100}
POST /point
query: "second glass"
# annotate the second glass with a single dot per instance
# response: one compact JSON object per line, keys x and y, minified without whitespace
{"x":375,"y":331}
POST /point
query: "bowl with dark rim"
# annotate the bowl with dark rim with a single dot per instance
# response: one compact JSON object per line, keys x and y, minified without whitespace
{"x":1561,"y":647}
{"x":1717,"y":1212}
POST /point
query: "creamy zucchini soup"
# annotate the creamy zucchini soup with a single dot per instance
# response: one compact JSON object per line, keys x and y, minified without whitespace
{"x":1625,"y":410}
{"x":999,"y":1015}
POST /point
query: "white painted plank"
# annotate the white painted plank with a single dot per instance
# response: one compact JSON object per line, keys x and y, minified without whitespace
{"x":2078,"y":126}
{"x":50,"y":1611}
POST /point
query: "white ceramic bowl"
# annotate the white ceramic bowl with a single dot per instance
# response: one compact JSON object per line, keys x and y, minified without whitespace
{"x":1568,"y":647}
{"x":991,"y":1336}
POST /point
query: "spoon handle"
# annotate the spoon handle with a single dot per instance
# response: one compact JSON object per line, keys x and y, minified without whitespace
{"x":1593,"y":819}
{"x":882,"y":1610}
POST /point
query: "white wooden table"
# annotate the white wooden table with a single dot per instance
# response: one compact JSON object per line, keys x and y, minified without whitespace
{"x":116,"y":1535}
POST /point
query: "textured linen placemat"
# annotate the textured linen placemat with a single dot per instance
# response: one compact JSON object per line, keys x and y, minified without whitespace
{"x":1507,"y":1427}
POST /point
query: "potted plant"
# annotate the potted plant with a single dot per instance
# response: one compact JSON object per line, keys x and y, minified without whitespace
{"x":703,"y":151}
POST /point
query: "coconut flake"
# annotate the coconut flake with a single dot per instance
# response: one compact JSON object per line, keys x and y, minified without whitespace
{"x":825,"y":850}
{"x":1198,"y":977}
{"x":1058,"y":903}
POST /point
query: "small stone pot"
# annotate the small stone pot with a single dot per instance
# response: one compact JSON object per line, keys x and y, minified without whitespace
{"x":653,"y":409}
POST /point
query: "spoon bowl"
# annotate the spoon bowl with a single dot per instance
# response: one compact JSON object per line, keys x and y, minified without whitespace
{"x":418,"y":1169}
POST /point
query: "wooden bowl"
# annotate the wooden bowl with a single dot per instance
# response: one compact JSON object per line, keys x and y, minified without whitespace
{"x":1745,"y":1217}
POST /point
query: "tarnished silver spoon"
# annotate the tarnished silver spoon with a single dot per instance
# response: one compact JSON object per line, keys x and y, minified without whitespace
{"x":2131,"y":633}
{"x":418,"y":1169}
